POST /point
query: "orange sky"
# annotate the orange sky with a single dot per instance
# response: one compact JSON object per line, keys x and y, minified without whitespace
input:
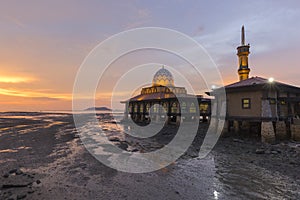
{"x":42,"y":45}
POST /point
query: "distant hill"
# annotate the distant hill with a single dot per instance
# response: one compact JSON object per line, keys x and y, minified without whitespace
{"x":98,"y":108}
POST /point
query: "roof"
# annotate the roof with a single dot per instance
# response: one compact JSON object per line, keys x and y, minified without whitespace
{"x":158,"y":95}
{"x":248,"y":82}
{"x":259,"y":82}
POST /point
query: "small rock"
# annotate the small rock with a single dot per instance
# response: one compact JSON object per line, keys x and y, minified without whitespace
{"x":292,"y":162}
{"x":238,"y":140}
{"x":176,"y":192}
{"x":260,"y":151}
{"x":38,"y":181}
{"x":123,"y":146}
{"x":30,"y":191}
{"x":19,"y":172}
{"x":13,"y":171}
{"x":114,"y":139}
{"x":21,"y":196}
{"x":274,"y":152}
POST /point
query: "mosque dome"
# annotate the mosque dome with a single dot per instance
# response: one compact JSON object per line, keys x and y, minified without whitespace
{"x":163,"y":77}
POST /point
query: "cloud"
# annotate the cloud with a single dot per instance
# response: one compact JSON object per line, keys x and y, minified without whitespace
{"x":15,"y":79}
{"x":33,"y":94}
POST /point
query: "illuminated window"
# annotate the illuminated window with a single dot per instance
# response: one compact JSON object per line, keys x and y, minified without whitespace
{"x":192,"y":108}
{"x":282,"y":102}
{"x":203,"y":107}
{"x":135,"y":108}
{"x":272,"y":101}
{"x":155,"y":108}
{"x":183,"y":106}
{"x":246,"y":103}
{"x":141,"y":108}
{"x":165,"y":106}
{"x":174,"y":108}
{"x":147,"y":107}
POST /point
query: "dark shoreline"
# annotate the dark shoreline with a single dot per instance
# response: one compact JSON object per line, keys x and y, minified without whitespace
{"x":55,"y":165}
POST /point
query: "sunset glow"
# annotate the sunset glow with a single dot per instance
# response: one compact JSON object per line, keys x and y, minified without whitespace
{"x":40,"y":53}
{"x":9,"y":79}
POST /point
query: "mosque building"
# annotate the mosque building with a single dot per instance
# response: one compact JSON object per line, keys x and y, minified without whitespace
{"x":270,"y":107}
{"x":165,"y":101}
{"x":253,"y":104}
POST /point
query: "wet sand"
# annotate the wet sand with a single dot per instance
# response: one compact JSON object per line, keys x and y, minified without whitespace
{"x":42,"y":157}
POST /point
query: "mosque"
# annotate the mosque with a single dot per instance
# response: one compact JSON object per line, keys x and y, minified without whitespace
{"x":165,"y":101}
{"x":256,"y":104}
{"x":259,"y":104}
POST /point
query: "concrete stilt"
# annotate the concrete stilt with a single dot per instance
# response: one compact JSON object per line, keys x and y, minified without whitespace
{"x":281,"y":132}
{"x":267,"y":129}
{"x":267,"y":132}
{"x":236,"y":126}
{"x":295,"y":132}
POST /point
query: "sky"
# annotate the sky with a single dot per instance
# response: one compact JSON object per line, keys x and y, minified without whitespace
{"x":44,"y":43}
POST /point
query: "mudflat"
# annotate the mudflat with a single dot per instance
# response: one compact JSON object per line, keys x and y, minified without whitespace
{"x":42,"y":157}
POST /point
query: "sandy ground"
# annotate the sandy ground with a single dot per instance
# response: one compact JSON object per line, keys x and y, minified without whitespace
{"x":42,"y":157}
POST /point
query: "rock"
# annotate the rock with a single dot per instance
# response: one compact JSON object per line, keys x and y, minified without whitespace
{"x":13,"y":171}
{"x":260,"y":151}
{"x":21,"y":196}
{"x":238,"y":140}
{"x":30,"y":191}
{"x":274,"y":152}
{"x":6,"y":175}
{"x":38,"y":181}
{"x":18,"y":172}
{"x":123,"y":146}
{"x":4,"y":186}
{"x":114,"y":139}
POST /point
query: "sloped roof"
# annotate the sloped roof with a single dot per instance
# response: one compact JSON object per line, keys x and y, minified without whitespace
{"x":248,"y":82}
{"x":158,"y":95}
{"x":255,"y":83}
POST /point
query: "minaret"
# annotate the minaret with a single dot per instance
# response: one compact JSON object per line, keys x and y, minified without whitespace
{"x":242,"y":53}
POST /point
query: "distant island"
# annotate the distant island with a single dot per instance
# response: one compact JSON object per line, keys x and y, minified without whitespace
{"x":98,"y":108}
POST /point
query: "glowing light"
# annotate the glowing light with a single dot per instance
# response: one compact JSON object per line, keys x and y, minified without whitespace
{"x":213,"y":87}
{"x":271,"y":80}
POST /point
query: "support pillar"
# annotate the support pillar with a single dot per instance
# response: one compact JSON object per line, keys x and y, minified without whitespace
{"x":246,"y":126}
{"x":267,"y":129}
{"x":226,"y":126}
{"x":295,"y":132}
{"x":267,"y":132}
{"x":281,"y":132}
{"x":236,"y":126}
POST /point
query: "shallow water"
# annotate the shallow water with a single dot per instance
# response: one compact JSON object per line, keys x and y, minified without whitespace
{"x":221,"y":175}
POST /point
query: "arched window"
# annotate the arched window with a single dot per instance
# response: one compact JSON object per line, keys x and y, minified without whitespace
{"x":155,"y":108}
{"x":130,"y":108}
{"x":142,"y":108}
{"x":135,"y":108}
{"x":147,"y":107}
{"x":174,"y":108}
{"x":165,"y":106}
{"x":192,"y":108}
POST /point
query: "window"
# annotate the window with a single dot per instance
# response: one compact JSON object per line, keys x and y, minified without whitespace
{"x":246,"y":103}
{"x":272,"y":101}
{"x":193,"y":108}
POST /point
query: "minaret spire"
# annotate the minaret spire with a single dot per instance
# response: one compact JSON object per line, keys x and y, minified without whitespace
{"x":242,"y":53}
{"x":243,"y":36}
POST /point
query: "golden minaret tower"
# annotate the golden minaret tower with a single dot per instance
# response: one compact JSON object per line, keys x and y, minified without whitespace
{"x":242,"y":53}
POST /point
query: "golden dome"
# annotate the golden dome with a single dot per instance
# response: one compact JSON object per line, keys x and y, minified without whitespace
{"x":163,"y":77}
